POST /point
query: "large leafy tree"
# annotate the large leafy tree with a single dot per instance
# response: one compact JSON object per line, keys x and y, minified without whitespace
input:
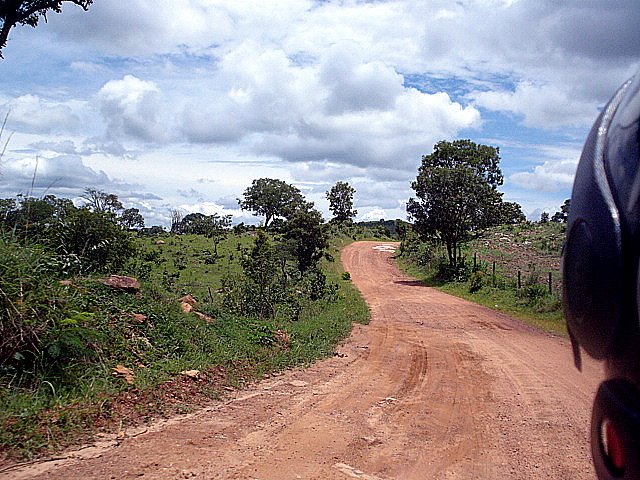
{"x":272,"y":198}
{"x":29,"y":12}
{"x":340,"y":198}
{"x":307,"y":237}
{"x":131,"y":218}
{"x":100,"y":201}
{"x":456,"y":190}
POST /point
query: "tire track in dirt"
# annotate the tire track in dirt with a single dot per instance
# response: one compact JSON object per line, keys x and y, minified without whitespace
{"x":435,"y":387}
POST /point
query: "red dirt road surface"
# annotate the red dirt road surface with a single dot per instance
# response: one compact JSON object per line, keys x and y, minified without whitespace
{"x":433,"y":388}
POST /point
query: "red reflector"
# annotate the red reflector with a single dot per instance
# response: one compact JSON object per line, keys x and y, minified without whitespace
{"x":614,"y":447}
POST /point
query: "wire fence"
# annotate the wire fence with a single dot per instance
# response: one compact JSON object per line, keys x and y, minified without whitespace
{"x":532,"y":274}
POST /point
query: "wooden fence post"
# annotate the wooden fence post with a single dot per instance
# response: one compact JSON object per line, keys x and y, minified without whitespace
{"x":494,"y":273}
{"x":550,"y":284}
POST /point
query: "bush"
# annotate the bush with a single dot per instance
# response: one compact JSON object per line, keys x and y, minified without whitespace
{"x":476,"y":281}
{"x":39,"y":329}
{"x":452,"y":273}
{"x":532,"y":294}
{"x":314,"y":286}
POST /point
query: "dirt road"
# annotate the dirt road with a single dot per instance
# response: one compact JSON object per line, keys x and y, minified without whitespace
{"x":434,"y":388}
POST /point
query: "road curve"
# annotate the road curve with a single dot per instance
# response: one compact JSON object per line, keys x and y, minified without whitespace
{"x":433,"y":388}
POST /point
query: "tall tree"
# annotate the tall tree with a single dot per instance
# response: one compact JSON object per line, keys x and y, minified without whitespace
{"x":217,"y":229}
{"x":272,"y":198}
{"x":306,"y":236}
{"x":340,"y":198}
{"x":176,"y":219}
{"x":456,"y":190}
{"x":544,"y":217}
{"x":131,"y":218}
{"x":29,"y":12}
{"x":100,"y":201}
{"x":563,"y":215}
{"x":510,"y":213}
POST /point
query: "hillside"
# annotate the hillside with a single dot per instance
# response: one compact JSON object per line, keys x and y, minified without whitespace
{"x":527,"y":259}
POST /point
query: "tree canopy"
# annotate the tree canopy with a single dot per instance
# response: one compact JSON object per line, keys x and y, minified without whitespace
{"x":456,"y":190}
{"x":84,"y":240}
{"x":29,"y":12}
{"x":100,"y":201}
{"x":272,"y":198}
{"x":563,"y":215}
{"x":340,"y":198}
{"x":306,"y":236}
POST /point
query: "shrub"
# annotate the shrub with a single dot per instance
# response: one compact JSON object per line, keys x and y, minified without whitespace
{"x":27,"y":298}
{"x":532,"y":294}
{"x":476,"y":281}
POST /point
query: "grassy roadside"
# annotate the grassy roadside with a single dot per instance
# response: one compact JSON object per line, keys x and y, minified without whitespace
{"x":45,"y":413}
{"x":516,"y":248}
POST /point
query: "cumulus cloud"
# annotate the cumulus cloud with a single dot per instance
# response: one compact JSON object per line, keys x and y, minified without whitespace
{"x":373,"y":215}
{"x":355,"y":84}
{"x":546,"y":107}
{"x":344,"y":109}
{"x":139,"y":27}
{"x":132,"y":107}
{"x":555,"y":173}
{"x":33,"y":114}
{"x":62,"y":173}
{"x":319,"y":91}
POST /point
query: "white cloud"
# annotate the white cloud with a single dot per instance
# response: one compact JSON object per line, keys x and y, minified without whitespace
{"x":373,"y":215}
{"x":163,"y":93}
{"x":356,"y":85}
{"x":62,"y":174}
{"x":133,"y":107}
{"x":33,"y":114}
{"x":546,"y":107}
{"x":344,"y":109}
{"x":554,"y":174}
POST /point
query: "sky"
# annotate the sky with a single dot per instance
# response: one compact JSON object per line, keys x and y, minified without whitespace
{"x":180,"y":104}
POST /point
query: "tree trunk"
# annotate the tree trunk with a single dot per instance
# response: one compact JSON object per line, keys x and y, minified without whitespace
{"x":451,"y":252}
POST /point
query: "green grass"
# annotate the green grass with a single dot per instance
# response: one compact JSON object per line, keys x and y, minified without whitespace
{"x":50,"y":409}
{"x":532,"y":248}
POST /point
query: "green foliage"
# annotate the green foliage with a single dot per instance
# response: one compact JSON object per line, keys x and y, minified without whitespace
{"x":60,"y":341}
{"x":261,"y":286}
{"x":82,"y":240}
{"x":509,"y":213}
{"x":476,"y":280}
{"x":456,"y":193}
{"x":532,"y":248}
{"x":272,"y":198}
{"x":346,"y":276}
{"x":131,"y":218}
{"x":563,"y":215}
{"x":340,"y":198}
{"x":532,"y":293}
{"x":28,"y":293}
{"x":95,"y":238}
{"x":306,"y":237}
{"x":29,"y":13}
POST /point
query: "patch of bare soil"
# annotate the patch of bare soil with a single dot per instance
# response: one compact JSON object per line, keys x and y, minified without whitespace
{"x":434,"y":387}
